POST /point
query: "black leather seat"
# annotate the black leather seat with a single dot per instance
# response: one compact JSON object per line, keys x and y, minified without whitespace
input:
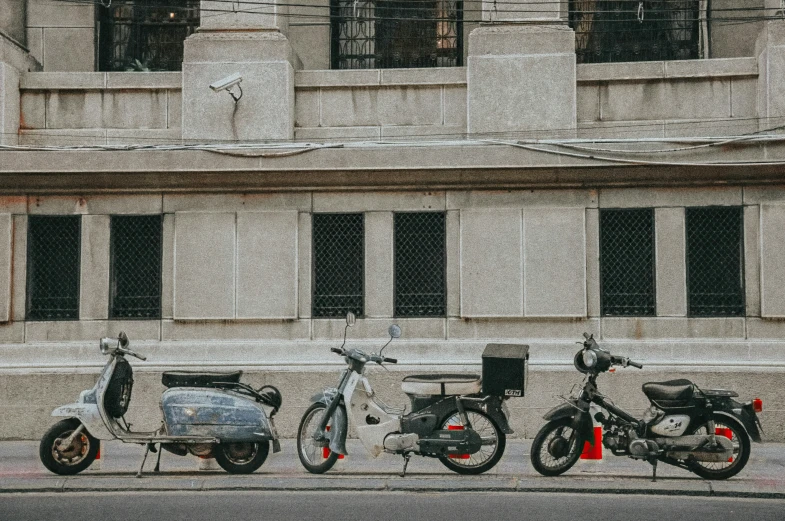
{"x":672,"y":393}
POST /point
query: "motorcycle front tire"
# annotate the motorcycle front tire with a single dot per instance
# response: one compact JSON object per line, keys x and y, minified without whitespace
{"x":71,"y":460}
{"x":315,"y":458}
{"x":548,"y":454}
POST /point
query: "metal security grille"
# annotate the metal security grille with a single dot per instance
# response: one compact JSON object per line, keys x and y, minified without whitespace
{"x":136,"y":267}
{"x":420,"y":264}
{"x":382,"y":34}
{"x":145,"y":34}
{"x":339,"y":264}
{"x":634,"y":30}
{"x":715,"y":261}
{"x":53,"y":248}
{"x":627,"y":262}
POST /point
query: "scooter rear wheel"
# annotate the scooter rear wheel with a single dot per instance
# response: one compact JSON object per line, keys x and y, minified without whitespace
{"x":494,"y":442}
{"x":316,"y":458}
{"x":67,"y":461}
{"x":556,"y":448}
{"x":241,"y":458}
{"x":731,"y":429}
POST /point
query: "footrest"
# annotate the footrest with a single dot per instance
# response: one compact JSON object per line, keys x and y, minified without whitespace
{"x":199,"y":378}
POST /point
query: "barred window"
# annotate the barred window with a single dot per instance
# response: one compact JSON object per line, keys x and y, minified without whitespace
{"x":144,"y":35}
{"x":381,"y":34}
{"x":339,"y":264}
{"x":627,"y":262}
{"x":715,"y":261}
{"x":420,"y":264}
{"x":53,"y":249}
{"x":135,"y":281}
{"x":634,"y":30}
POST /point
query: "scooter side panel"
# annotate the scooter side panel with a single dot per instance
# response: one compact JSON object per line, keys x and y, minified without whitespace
{"x":88,"y":414}
{"x":216,"y":413}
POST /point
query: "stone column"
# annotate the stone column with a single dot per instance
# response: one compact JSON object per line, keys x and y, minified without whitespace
{"x":521,"y":71}
{"x":249,"y":39}
{"x":770,"y":50}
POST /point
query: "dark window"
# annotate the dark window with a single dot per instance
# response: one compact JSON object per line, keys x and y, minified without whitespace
{"x":715,"y":261}
{"x":137,"y":35}
{"x":339,"y":264}
{"x":419,"y":264}
{"x":381,"y":34}
{"x":136,"y":267}
{"x":627,"y":262}
{"x":632,"y":30}
{"x":53,"y":248}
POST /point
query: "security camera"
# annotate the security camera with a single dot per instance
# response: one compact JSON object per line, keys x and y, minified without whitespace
{"x":226,"y":83}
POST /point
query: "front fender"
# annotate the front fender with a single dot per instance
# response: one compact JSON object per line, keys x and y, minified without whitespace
{"x":581,"y":420}
{"x":88,"y":414}
{"x":325,"y":397}
{"x":339,"y":422}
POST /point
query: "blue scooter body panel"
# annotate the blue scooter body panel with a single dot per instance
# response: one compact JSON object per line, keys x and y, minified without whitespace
{"x":228,"y":416}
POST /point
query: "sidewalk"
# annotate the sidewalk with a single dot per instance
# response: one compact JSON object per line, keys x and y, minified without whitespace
{"x":21,"y":471}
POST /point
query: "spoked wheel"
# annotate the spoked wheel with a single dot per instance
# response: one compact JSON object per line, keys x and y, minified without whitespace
{"x":556,"y":448}
{"x":241,"y":458}
{"x":315,"y":456}
{"x":70,"y":460}
{"x":491,"y":451}
{"x":724,"y":426}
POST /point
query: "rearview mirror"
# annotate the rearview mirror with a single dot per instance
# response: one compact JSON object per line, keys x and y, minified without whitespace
{"x":395,"y":331}
{"x":350,"y":319}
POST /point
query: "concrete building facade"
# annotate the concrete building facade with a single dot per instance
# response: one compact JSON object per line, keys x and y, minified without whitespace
{"x":526,"y":192}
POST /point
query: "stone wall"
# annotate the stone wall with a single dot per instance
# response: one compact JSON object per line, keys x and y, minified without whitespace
{"x":61,"y":35}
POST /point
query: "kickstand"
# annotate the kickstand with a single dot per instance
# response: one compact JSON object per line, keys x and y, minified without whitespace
{"x":158,"y":461}
{"x":406,"y":458}
{"x":654,"y":470}
{"x":146,"y":450}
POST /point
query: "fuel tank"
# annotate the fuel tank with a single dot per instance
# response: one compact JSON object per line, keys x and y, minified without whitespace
{"x":228,"y":416}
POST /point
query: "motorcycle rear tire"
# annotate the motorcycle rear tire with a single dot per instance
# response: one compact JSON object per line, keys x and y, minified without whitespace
{"x":538,"y":445}
{"x":717,"y":471}
{"x":312,"y":457}
{"x":85,"y":450}
{"x":485,"y":427}
{"x":241,"y":458}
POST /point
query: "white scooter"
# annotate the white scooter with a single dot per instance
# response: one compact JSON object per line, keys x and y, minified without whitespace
{"x":205,"y":414}
{"x":452,"y":418}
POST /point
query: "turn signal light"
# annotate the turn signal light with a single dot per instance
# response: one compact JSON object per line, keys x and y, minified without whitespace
{"x":757,"y":405}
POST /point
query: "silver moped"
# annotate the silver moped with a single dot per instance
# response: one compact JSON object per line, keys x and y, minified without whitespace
{"x":208,"y":414}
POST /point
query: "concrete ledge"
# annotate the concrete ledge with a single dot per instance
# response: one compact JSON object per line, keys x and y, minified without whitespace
{"x":377,"y":77}
{"x":101,"y":80}
{"x":712,"y":68}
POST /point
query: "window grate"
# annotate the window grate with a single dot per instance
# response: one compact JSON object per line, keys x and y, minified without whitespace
{"x":145,"y":34}
{"x":136,"y":267}
{"x":339,"y":264}
{"x":382,"y":34}
{"x":715,"y":261}
{"x":634,"y":30}
{"x":627,"y":262}
{"x":420,"y":264}
{"x":53,"y":250}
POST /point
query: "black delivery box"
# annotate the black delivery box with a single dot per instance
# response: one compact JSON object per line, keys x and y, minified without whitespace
{"x":505,"y":369}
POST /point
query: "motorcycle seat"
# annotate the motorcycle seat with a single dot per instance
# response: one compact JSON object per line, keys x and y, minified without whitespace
{"x":680,"y":390}
{"x":441,"y":384}
{"x":199,"y":378}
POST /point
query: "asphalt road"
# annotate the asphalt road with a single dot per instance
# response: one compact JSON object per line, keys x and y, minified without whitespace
{"x":369,"y":506}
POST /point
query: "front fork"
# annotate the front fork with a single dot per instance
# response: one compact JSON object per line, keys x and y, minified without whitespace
{"x":321,"y":431}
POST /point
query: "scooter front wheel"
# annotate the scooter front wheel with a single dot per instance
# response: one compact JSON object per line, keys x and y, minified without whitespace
{"x":72,"y":459}
{"x":241,"y":458}
{"x":556,"y":448}
{"x":491,"y":451}
{"x":315,"y":456}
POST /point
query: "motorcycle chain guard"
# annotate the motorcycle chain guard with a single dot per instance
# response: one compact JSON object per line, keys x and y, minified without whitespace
{"x":443,"y":443}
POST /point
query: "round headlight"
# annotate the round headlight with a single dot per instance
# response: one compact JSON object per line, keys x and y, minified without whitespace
{"x":589,"y":358}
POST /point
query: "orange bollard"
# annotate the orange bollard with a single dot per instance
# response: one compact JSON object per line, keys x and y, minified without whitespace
{"x":326,"y":450}
{"x":593,"y":452}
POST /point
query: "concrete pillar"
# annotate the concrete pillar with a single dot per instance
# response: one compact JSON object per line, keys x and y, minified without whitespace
{"x":9,"y":104}
{"x":521,"y":71}
{"x":770,"y":50}
{"x":239,"y":37}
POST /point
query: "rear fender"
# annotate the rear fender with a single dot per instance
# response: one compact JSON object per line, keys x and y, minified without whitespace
{"x":89,"y":415}
{"x":494,"y":410}
{"x":747,"y":421}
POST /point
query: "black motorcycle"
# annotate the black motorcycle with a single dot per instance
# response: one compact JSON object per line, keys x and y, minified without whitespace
{"x":704,"y":431}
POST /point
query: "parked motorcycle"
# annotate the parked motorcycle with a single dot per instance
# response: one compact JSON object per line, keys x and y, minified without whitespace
{"x":704,"y":431}
{"x":209,"y":414}
{"x":451,"y":418}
